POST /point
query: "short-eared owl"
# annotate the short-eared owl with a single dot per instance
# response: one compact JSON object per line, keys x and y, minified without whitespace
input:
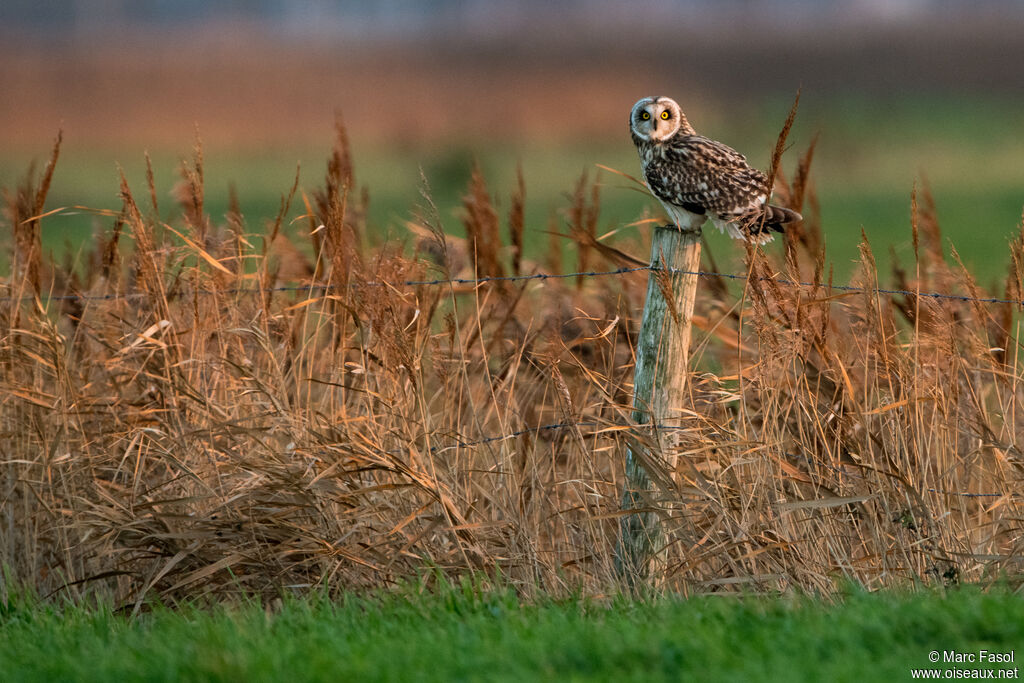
{"x":697,"y":178}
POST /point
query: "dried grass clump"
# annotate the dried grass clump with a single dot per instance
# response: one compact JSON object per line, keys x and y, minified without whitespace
{"x":176,"y":429}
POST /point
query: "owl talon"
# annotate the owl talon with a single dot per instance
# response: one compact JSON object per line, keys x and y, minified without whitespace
{"x":685,"y":231}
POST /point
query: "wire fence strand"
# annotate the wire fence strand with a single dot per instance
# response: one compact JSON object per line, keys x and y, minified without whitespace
{"x":603,"y":427}
{"x":535,"y":276}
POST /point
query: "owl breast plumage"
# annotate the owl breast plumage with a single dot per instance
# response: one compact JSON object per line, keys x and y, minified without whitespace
{"x":697,"y":178}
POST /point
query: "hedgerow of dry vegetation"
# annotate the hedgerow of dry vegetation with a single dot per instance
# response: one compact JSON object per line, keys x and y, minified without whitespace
{"x":181,"y":424}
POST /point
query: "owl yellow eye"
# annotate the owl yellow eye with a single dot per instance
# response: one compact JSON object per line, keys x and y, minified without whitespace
{"x":665,"y":116}
{"x":646,"y":115}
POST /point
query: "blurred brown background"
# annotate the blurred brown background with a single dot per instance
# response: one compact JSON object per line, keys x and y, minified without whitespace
{"x":896,"y":90}
{"x":272,"y":73}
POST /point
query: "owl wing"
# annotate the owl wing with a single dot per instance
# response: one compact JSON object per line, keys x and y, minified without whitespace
{"x":705,"y":176}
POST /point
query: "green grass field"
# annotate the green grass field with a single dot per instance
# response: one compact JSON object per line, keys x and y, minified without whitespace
{"x":469,"y":634}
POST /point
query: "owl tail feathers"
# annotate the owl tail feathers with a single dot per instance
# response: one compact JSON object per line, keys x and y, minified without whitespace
{"x":773,"y":219}
{"x":777,"y":215}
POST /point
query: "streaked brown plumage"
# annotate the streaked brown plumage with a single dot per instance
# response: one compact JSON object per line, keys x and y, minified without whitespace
{"x":697,"y":178}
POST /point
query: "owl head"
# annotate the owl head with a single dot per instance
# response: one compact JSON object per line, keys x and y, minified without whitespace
{"x":655,"y":119}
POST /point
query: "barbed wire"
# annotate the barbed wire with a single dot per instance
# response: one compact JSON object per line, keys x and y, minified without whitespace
{"x":459,"y":443}
{"x":535,"y":276}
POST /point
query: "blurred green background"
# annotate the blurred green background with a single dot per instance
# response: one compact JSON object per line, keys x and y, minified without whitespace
{"x":894,"y":95}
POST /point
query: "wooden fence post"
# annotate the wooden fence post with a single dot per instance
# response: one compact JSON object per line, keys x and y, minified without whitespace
{"x":659,"y":386}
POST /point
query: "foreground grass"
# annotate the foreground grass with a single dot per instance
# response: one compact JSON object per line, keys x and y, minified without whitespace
{"x":461,"y":635}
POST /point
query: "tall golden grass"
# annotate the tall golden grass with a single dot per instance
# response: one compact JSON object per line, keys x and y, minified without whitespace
{"x":179,"y":426}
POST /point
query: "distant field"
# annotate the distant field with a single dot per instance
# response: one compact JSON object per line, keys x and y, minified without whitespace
{"x":900,"y":110}
{"x":472,"y":635}
{"x":867,"y":162}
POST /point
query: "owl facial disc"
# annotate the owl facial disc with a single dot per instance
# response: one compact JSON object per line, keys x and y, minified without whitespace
{"x":655,"y":118}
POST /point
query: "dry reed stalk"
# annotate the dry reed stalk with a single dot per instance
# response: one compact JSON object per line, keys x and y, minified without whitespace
{"x":23,"y":210}
{"x":583,"y":215}
{"x":517,"y":221}
{"x":481,"y":222}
